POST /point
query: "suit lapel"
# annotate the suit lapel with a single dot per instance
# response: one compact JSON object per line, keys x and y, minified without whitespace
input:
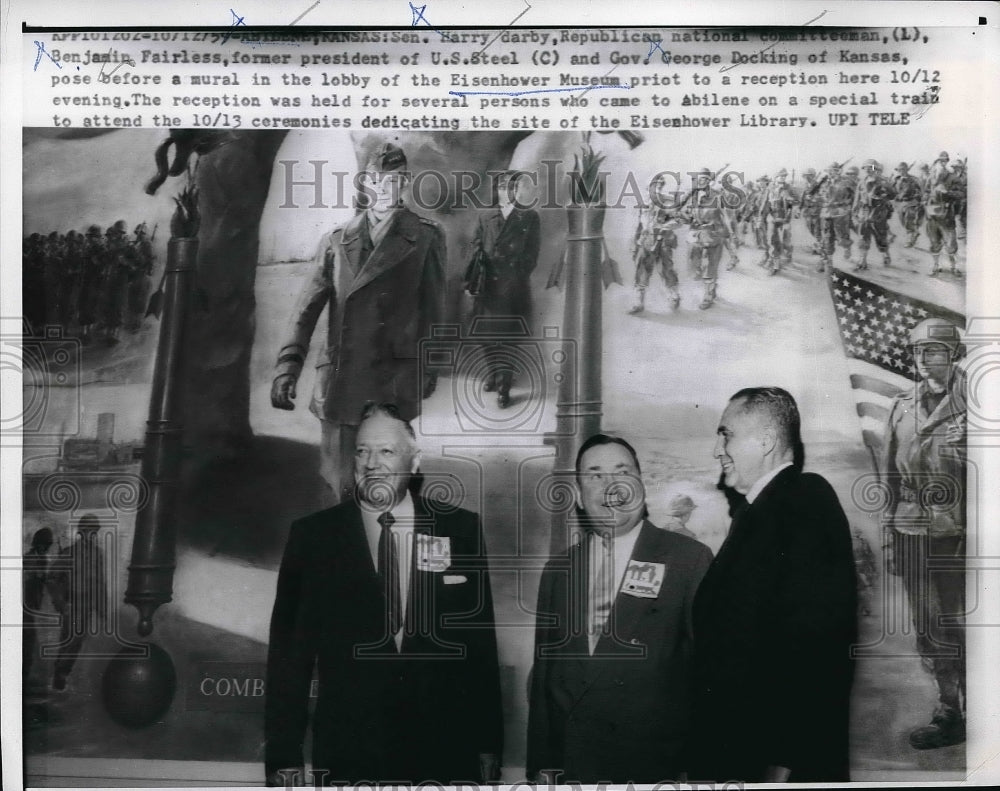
{"x":397,"y":243}
{"x":628,"y":610}
{"x":353,"y":242}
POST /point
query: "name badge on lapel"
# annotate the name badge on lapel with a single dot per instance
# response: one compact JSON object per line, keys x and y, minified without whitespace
{"x":433,"y":552}
{"x":643,"y":579}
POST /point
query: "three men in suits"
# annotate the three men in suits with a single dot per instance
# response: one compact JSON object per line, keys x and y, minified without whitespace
{"x":775,"y":616}
{"x":610,"y":688}
{"x":382,"y":276}
{"x":388,"y":597}
{"x":506,"y":243}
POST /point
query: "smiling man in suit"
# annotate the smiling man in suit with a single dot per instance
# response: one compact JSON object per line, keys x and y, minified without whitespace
{"x":382,"y":276}
{"x":613,"y":645}
{"x":388,"y":597}
{"x":775,"y":616}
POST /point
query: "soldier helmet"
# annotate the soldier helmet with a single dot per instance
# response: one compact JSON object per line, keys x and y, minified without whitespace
{"x":835,"y":166}
{"x":809,"y":172}
{"x":936,"y":330}
{"x":942,"y":157}
{"x":781,"y":173}
{"x":703,"y":172}
{"x":765,"y":179}
{"x":94,"y":230}
{"x":958,"y":164}
{"x":140,"y":229}
{"x":852,"y":170}
{"x":681,"y":504}
{"x":902,"y":167}
{"x":53,"y":235}
{"x":386,"y":158}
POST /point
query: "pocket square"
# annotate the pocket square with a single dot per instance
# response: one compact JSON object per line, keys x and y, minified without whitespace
{"x":454,"y":579}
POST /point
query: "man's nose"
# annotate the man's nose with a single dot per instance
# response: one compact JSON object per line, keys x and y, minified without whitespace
{"x":719,"y":451}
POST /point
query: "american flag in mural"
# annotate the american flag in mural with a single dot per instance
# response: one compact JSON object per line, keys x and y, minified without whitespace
{"x":875,"y":324}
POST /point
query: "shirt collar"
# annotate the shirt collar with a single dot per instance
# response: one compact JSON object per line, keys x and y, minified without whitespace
{"x":764,"y":480}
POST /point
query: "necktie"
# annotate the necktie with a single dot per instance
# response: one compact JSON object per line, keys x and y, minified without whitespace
{"x":388,"y":572}
{"x":601,"y":586}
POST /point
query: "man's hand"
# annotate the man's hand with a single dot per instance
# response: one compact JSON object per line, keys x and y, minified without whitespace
{"x":429,"y":385}
{"x":489,"y":768}
{"x":283,"y":391}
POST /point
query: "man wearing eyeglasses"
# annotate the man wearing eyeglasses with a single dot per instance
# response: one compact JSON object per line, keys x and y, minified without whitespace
{"x":924,"y":466}
{"x":611,"y":683}
{"x":382,"y":277}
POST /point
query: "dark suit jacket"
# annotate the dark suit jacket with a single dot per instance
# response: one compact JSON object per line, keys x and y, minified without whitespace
{"x":622,"y":713}
{"x":774,"y":621}
{"x":425,"y":713}
{"x":511,"y":247}
{"x":383,"y":300}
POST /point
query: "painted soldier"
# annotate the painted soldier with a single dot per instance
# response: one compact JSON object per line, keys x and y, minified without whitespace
{"x":924,"y":466}
{"x":653,"y":249}
{"x":776,"y":209}
{"x":837,"y":193}
{"x":744,"y":213}
{"x":960,"y":184}
{"x":872,"y":209}
{"x":940,"y":210}
{"x":810,"y":206}
{"x":34,"y":257}
{"x":116,"y":274}
{"x":908,"y":200}
{"x":83,"y":596}
{"x":140,"y":255}
{"x":703,"y":210}
{"x":382,"y":276}
{"x":91,"y":281}
{"x":756,"y":221}
{"x":506,"y":243}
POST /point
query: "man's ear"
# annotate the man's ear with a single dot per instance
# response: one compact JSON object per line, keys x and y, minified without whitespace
{"x":577,"y":494}
{"x":768,"y":439}
{"x":415,"y":463}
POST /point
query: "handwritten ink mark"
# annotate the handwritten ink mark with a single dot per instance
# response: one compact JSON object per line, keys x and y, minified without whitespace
{"x":42,"y":51}
{"x":538,"y":90}
{"x":303,"y":13}
{"x":238,"y":21}
{"x":509,"y":26}
{"x":773,"y":44}
{"x":654,"y":45}
{"x":418,"y":17}
{"x":604,"y":86}
{"x":126,"y":61}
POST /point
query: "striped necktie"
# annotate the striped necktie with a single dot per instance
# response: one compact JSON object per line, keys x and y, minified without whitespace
{"x":601,"y":585}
